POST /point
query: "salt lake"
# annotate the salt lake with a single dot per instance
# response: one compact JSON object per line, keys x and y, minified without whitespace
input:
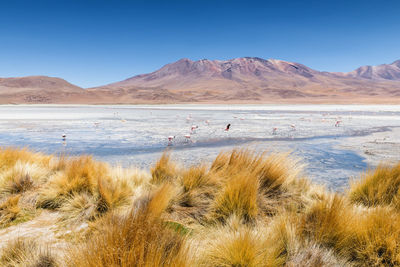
{"x":136,"y":135}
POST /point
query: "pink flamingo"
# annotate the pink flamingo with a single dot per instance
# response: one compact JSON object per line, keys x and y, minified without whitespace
{"x":187,"y":136}
{"x":193,"y":128}
{"x":170,"y":138}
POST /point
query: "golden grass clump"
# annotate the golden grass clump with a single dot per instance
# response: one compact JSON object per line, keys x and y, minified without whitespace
{"x":196,"y":177}
{"x":378,"y":187}
{"x":275,"y":172}
{"x":271,"y":181}
{"x":235,"y":247}
{"x":238,"y":197}
{"x":362,"y":237}
{"x":13,"y":212}
{"x":25,"y":252}
{"x":376,"y":238}
{"x":164,"y":170}
{"x":160,"y":200}
{"x":22,"y":177}
{"x":138,"y":238}
{"x":238,"y":244}
{"x":86,"y":190}
{"x":244,"y":209}
{"x":78,"y":208}
{"x":9,"y":157}
{"x":22,"y":170}
{"x":240,"y":183}
{"x":112,"y":194}
{"x":9,"y":210}
{"x":197,"y":189}
{"x":327,"y":222}
{"x":80,"y":176}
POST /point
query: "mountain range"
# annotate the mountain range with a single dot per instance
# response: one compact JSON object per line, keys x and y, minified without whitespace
{"x":239,"y":80}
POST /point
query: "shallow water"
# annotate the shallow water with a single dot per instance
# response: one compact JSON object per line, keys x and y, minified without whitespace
{"x":137,"y":135}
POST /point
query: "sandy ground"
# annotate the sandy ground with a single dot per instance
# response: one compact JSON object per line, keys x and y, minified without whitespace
{"x":382,"y":147}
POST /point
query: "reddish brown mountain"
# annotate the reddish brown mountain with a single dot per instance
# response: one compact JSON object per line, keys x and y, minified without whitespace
{"x":240,"y":80}
{"x":37,"y":89}
{"x":250,"y":80}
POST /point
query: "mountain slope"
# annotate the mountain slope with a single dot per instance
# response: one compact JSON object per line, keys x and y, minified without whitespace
{"x":240,"y":80}
{"x":37,"y":89}
{"x":248,"y":79}
{"x":381,"y":72}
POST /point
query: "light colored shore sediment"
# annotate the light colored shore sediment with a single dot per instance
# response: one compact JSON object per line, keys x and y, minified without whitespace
{"x":376,"y":148}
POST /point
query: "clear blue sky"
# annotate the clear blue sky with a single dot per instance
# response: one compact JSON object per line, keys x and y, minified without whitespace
{"x":95,"y":42}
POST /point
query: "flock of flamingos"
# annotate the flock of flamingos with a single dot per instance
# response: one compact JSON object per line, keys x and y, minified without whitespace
{"x":194,"y":127}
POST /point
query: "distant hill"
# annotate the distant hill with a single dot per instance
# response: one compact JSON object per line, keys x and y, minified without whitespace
{"x":240,"y":80}
{"x":381,"y":72}
{"x":37,"y":89}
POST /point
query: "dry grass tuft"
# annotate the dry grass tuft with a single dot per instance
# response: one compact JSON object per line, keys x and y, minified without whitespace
{"x":22,"y":177}
{"x":10,"y":156}
{"x":139,"y":238}
{"x":81,"y":176}
{"x":378,"y":187}
{"x":196,"y":177}
{"x":238,"y":244}
{"x":327,"y":222}
{"x":238,"y":197}
{"x":160,"y":200}
{"x":240,"y":247}
{"x":25,"y":252}
{"x":112,"y":194}
{"x":13,"y":212}
{"x":84,"y":189}
{"x":78,"y":208}
{"x":241,"y":183}
{"x":164,"y":170}
{"x":376,"y":238}
{"x":362,"y":237}
{"x":9,"y":210}
{"x":246,"y":209}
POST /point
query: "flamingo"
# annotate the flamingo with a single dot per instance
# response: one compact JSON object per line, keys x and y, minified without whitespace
{"x":227,"y":127}
{"x":293,"y":127}
{"x":170,"y":138}
{"x":337,"y":124}
{"x":64,"y":139}
{"x":274,"y":130}
{"x":187,"y":136}
{"x":193,"y":128}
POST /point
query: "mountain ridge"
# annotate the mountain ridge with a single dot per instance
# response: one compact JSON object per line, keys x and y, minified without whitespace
{"x":241,"y":80}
